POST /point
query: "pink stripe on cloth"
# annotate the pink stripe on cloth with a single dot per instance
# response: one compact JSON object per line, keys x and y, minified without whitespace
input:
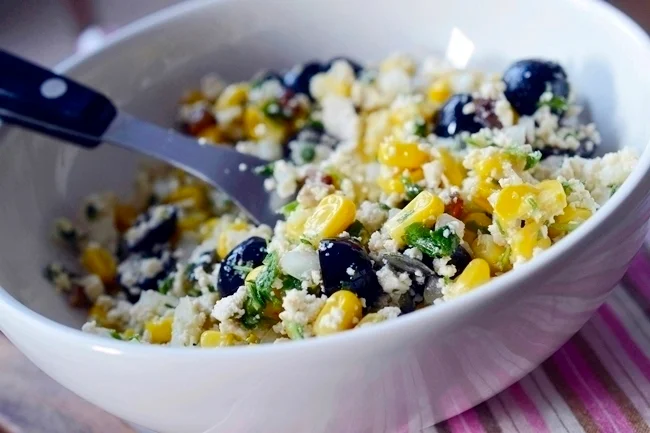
{"x":580,"y":377}
{"x":629,"y":345}
{"x":528,"y":408}
{"x":638,"y":274}
{"x":466,"y":422}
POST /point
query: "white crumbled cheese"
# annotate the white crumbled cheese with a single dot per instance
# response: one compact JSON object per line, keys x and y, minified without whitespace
{"x":151,"y":305}
{"x":268,"y":90}
{"x":577,"y":194}
{"x":350,"y":270}
{"x":446,"y":220}
{"x":388,"y":313}
{"x":301,"y":308}
{"x":497,"y":234}
{"x":442,"y":267}
{"x":504,"y":112}
{"x":340,"y":118}
{"x":300,"y":262}
{"x":92,"y":286}
{"x":433,"y":172}
{"x":332,"y":319}
{"x":414,"y":253}
{"x":119,"y":312}
{"x":136,"y":269}
{"x":188,"y":323}
{"x":178,"y":282}
{"x":93,"y":328}
{"x":469,"y":108}
{"x":226,"y":116}
{"x":393,"y":283}
{"x":230,"y":307}
{"x":312,"y":192}
{"x":371,"y":215}
{"x":286,"y":180}
{"x":205,"y":282}
{"x":394,"y":82}
{"x":381,"y":243}
{"x":339,"y":76}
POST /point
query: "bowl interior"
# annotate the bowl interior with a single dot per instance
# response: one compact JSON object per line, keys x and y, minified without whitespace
{"x":149,"y":65}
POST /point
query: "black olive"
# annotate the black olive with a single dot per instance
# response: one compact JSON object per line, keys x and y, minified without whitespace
{"x":460,"y":259}
{"x":527,"y":80}
{"x":248,"y":254}
{"x":151,"y":229}
{"x":451,"y":119}
{"x":345,"y":265}
{"x":298,"y":78}
{"x":133,"y":276}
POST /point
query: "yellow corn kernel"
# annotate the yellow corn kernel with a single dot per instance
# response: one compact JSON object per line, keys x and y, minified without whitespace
{"x":231,"y":237}
{"x":99,"y":314}
{"x":257,"y":126}
{"x":424,"y":208}
{"x":452,"y":167}
{"x":440,"y":90}
{"x":295,"y":225}
{"x":252,"y":339}
{"x":207,"y":228}
{"x":232,"y":96}
{"x":212,"y":134}
{"x":212,"y":338}
{"x":551,"y":198}
{"x":516,"y":202}
{"x":395,"y":184}
{"x":475,"y":223}
{"x":129,"y":333}
{"x":497,"y":256}
{"x":402,"y":154}
{"x":568,"y":221}
{"x":188,"y":196}
{"x":475,"y":274}
{"x":526,"y":239}
{"x":160,"y":330}
{"x":341,"y":311}
{"x":371,"y":319}
{"x":325,"y":84}
{"x":192,"y":96}
{"x":98,"y":260}
{"x":252,"y":275}
{"x":191,"y":221}
{"x":332,"y":216}
{"x":377,"y":128}
{"x":124,"y":216}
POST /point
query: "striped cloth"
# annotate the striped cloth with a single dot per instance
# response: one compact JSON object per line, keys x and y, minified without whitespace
{"x":598,"y":382}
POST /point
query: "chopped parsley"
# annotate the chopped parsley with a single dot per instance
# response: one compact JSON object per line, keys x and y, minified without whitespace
{"x":420,"y":128}
{"x":613,"y":188}
{"x":260,"y":292}
{"x":532,"y":159}
{"x":308,"y":153}
{"x":567,"y":188}
{"x":116,"y":335}
{"x":165,"y":285}
{"x":290,"y":283}
{"x":384,"y":206}
{"x":273,"y":110}
{"x":557,"y":104}
{"x":194,"y":292}
{"x":305,"y":240}
{"x":434,"y":243}
{"x":242,"y":269}
{"x":265,"y":170}
{"x":358,"y":230}
{"x":294,"y":331}
{"x":410,"y":188}
{"x":288,"y":208}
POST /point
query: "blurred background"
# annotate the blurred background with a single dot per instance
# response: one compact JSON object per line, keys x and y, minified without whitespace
{"x":47,"y":31}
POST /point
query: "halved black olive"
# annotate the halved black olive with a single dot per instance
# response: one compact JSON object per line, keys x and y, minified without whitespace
{"x":248,"y":254}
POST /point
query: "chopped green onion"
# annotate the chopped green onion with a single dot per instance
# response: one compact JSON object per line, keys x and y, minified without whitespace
{"x":434,"y":243}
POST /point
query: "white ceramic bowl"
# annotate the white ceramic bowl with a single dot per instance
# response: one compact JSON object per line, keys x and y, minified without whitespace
{"x":409,"y":373}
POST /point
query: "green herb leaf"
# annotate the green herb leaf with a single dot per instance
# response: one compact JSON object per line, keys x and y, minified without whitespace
{"x":290,"y":283}
{"x":613,"y":188}
{"x":420,"y":128}
{"x":433,"y":243}
{"x":194,"y":292}
{"x":242,"y":269}
{"x":532,"y":203}
{"x":308,"y":153}
{"x":265,"y":170}
{"x":116,"y":335}
{"x":260,"y":292}
{"x":504,"y":259}
{"x":557,"y":104}
{"x":294,"y":331}
{"x":288,"y":208}
{"x":273,"y":110}
{"x":358,"y":230}
{"x":384,"y":206}
{"x":567,"y":188}
{"x":411,"y":189}
{"x":165,"y":285}
{"x":305,"y":240}
{"x":532,"y":159}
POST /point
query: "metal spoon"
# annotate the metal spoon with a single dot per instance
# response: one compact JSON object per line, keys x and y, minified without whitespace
{"x":40,"y":100}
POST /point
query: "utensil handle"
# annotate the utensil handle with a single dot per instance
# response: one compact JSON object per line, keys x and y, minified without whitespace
{"x":39,"y":99}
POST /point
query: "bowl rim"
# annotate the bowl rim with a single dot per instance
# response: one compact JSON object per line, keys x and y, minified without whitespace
{"x":495,"y":288}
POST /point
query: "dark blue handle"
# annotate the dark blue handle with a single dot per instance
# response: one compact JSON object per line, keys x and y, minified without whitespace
{"x":41,"y":100}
